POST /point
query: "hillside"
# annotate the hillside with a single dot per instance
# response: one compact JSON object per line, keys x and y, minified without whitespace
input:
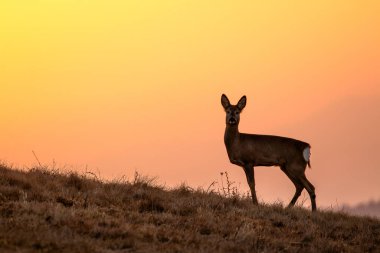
{"x":44,"y":210}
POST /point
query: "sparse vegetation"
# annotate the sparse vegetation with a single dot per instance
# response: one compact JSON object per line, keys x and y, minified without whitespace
{"x":44,"y":210}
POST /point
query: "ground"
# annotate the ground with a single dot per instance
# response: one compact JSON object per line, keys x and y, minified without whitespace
{"x":45,"y":210}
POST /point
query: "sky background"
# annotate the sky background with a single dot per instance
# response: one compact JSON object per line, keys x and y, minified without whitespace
{"x":117,"y":86}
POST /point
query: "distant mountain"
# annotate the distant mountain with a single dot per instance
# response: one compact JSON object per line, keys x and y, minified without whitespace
{"x":371,"y":208}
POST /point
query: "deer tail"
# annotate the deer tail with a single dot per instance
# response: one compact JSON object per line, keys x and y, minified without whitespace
{"x":306,"y":155}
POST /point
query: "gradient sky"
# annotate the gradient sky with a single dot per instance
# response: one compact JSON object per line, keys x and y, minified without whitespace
{"x":118,"y":86}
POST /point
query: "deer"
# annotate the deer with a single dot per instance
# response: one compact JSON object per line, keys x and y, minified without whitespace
{"x":251,"y":150}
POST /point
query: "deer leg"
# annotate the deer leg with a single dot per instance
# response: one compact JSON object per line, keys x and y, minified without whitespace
{"x":311,"y":190}
{"x":297,"y":184}
{"x":299,"y":189}
{"x":250,"y":174}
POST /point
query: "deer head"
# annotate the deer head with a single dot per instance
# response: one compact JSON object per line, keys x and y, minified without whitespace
{"x":233,"y":111}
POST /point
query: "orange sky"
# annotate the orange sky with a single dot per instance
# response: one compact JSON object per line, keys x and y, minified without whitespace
{"x":120,"y":86}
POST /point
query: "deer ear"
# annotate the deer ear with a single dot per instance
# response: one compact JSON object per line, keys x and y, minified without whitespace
{"x":225,"y":101}
{"x":242,"y":102}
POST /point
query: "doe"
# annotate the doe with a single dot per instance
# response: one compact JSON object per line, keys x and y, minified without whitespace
{"x":250,"y":150}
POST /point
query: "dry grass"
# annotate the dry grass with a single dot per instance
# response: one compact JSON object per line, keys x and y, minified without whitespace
{"x":45,"y":210}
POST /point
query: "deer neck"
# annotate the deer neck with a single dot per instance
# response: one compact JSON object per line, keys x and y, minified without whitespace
{"x":231,"y":135}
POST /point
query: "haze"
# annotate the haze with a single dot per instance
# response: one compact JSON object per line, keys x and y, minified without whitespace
{"x":118,"y":86}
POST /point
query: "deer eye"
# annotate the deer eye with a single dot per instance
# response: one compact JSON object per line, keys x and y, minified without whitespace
{"x":236,"y":112}
{"x":228,"y":111}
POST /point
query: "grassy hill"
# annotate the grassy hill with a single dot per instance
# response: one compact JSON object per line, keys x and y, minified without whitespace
{"x":45,"y":210}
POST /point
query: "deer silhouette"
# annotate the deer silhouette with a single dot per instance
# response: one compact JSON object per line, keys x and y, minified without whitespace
{"x":251,"y":150}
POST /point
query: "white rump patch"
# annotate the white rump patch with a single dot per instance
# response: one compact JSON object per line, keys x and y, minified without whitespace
{"x":306,"y":154}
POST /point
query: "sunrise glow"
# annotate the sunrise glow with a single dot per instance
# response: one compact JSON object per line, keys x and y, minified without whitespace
{"x":118,"y":86}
